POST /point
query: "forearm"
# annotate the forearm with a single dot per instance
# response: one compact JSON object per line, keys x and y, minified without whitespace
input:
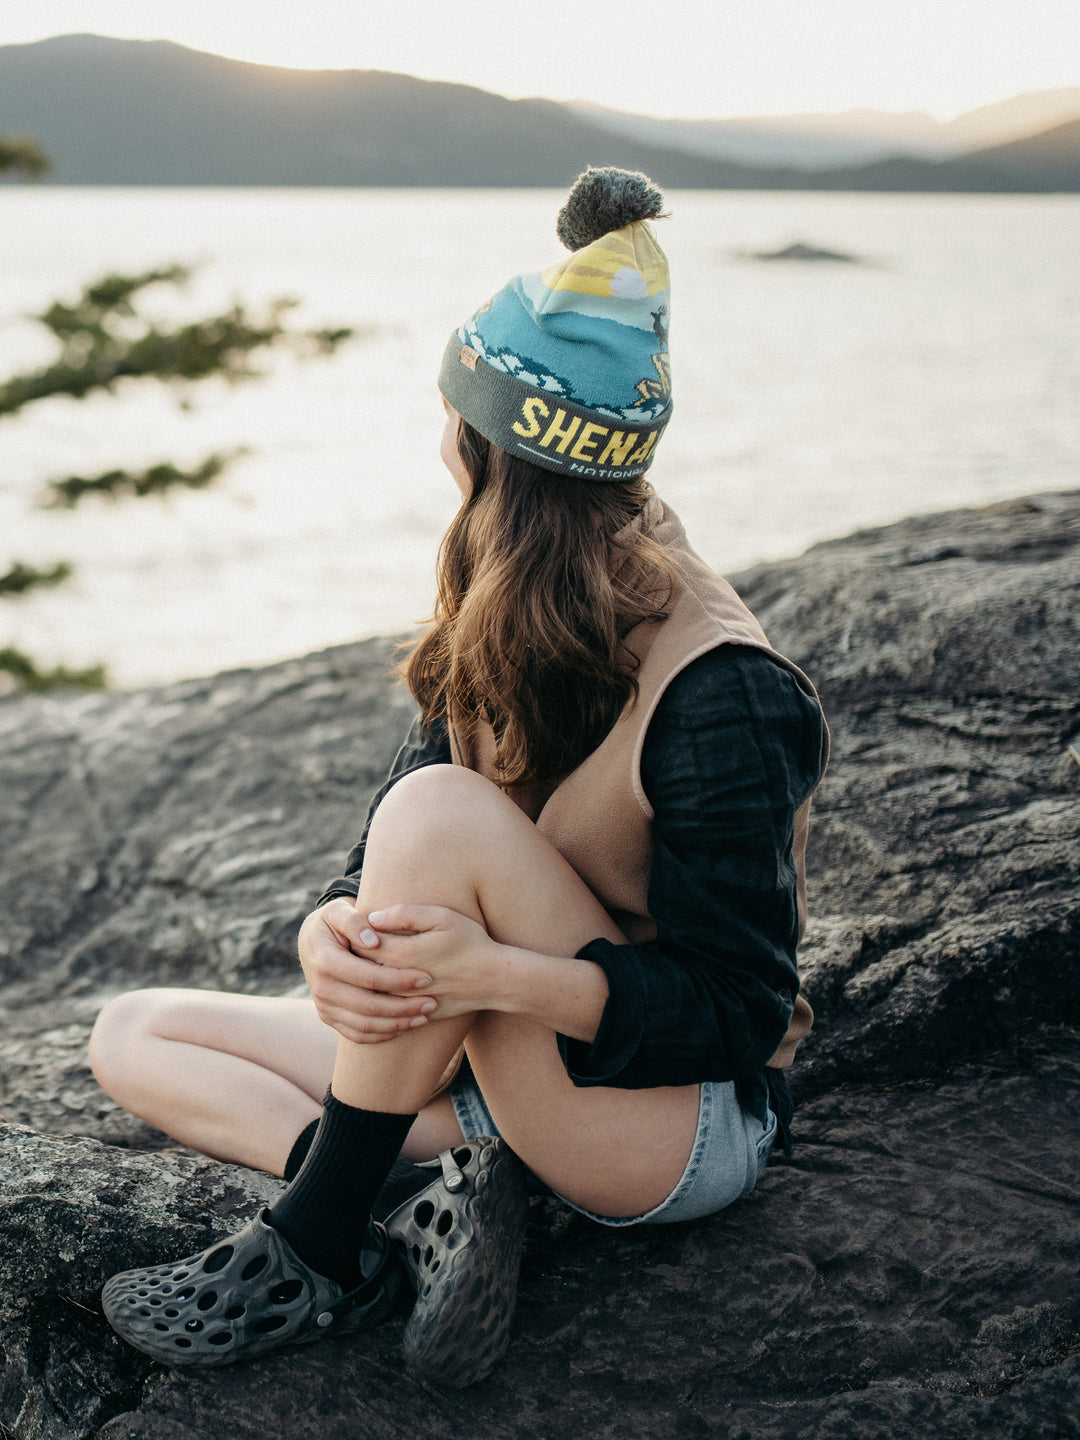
{"x":562,"y":993}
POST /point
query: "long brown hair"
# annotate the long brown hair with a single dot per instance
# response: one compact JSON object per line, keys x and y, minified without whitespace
{"x":535,"y":599}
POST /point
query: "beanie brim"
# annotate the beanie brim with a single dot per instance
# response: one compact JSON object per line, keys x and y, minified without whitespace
{"x":543,"y":427}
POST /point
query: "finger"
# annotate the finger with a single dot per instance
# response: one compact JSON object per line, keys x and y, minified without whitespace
{"x":344,"y":966}
{"x":361,"y":1037}
{"x":348,"y":925}
{"x":343,"y":917}
{"x":369,"y":1004}
{"x":344,"y":1016}
{"x":408,"y":918}
{"x":321,"y":929}
{"x":338,"y":912}
{"x":368,"y":1032}
{"x":390,"y":978}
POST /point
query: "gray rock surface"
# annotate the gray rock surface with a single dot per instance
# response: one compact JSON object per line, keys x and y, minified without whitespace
{"x":915,"y":1269}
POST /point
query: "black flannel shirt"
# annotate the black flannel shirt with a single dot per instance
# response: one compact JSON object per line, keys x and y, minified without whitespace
{"x":733,"y":749}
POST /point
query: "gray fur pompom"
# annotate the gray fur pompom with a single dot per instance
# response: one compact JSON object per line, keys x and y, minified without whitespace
{"x":603,"y":200}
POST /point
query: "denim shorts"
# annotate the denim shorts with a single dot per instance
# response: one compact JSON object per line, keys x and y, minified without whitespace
{"x":728,"y":1155}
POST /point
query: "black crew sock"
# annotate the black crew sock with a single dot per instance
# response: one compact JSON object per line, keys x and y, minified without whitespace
{"x":299,"y":1152}
{"x":324,"y":1213}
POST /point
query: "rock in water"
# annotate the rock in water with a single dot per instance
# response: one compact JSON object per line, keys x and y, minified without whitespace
{"x":801,"y":251}
{"x":914,"y":1270}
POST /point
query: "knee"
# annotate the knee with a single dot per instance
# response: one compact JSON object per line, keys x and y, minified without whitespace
{"x":439,"y":798}
{"x":121,"y":1032}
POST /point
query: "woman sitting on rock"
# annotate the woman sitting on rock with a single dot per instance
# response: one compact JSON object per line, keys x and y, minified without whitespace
{"x":584,"y":874}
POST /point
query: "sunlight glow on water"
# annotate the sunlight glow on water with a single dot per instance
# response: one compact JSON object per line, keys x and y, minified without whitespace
{"x":811,"y":399}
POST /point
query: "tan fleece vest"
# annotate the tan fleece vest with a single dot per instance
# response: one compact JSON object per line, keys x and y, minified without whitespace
{"x":599,"y":817}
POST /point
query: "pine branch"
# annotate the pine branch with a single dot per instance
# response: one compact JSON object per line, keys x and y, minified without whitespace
{"x":21,"y":155}
{"x":109,"y":298}
{"x":27,"y":676}
{"x":21,"y":578}
{"x":118,"y":484}
{"x":103,"y":340}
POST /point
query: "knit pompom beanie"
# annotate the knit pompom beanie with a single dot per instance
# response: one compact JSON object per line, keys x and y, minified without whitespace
{"x":569,"y":368}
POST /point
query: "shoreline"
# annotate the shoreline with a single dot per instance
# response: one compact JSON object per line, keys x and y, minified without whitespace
{"x":85,"y":653}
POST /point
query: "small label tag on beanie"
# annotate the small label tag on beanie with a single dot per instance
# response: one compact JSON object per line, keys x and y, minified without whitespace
{"x":469,"y":356}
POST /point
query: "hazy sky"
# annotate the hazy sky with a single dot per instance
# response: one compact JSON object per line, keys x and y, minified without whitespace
{"x":664,"y":57}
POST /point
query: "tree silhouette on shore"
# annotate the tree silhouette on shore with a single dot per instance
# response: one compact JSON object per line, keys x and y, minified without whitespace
{"x":103,"y":343}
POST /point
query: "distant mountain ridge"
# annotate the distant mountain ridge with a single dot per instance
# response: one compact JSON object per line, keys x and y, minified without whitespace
{"x":130,"y":112}
{"x":1035,"y":164}
{"x":849,"y":137}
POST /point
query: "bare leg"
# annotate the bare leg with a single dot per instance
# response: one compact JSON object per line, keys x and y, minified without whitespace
{"x":235,"y":1076}
{"x":239,"y":1077}
{"x":198,"y":1065}
{"x":445,"y":836}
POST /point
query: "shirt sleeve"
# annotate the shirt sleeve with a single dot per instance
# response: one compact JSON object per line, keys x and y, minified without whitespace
{"x":421,"y":747}
{"x":732,"y":751}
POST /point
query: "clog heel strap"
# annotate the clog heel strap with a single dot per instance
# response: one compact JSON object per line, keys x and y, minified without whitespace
{"x":462,"y":1238}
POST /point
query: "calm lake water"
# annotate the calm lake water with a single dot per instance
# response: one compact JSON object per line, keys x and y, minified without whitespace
{"x":811,"y":399}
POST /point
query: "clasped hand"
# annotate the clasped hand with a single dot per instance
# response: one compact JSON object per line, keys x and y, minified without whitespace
{"x":376,"y":977}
